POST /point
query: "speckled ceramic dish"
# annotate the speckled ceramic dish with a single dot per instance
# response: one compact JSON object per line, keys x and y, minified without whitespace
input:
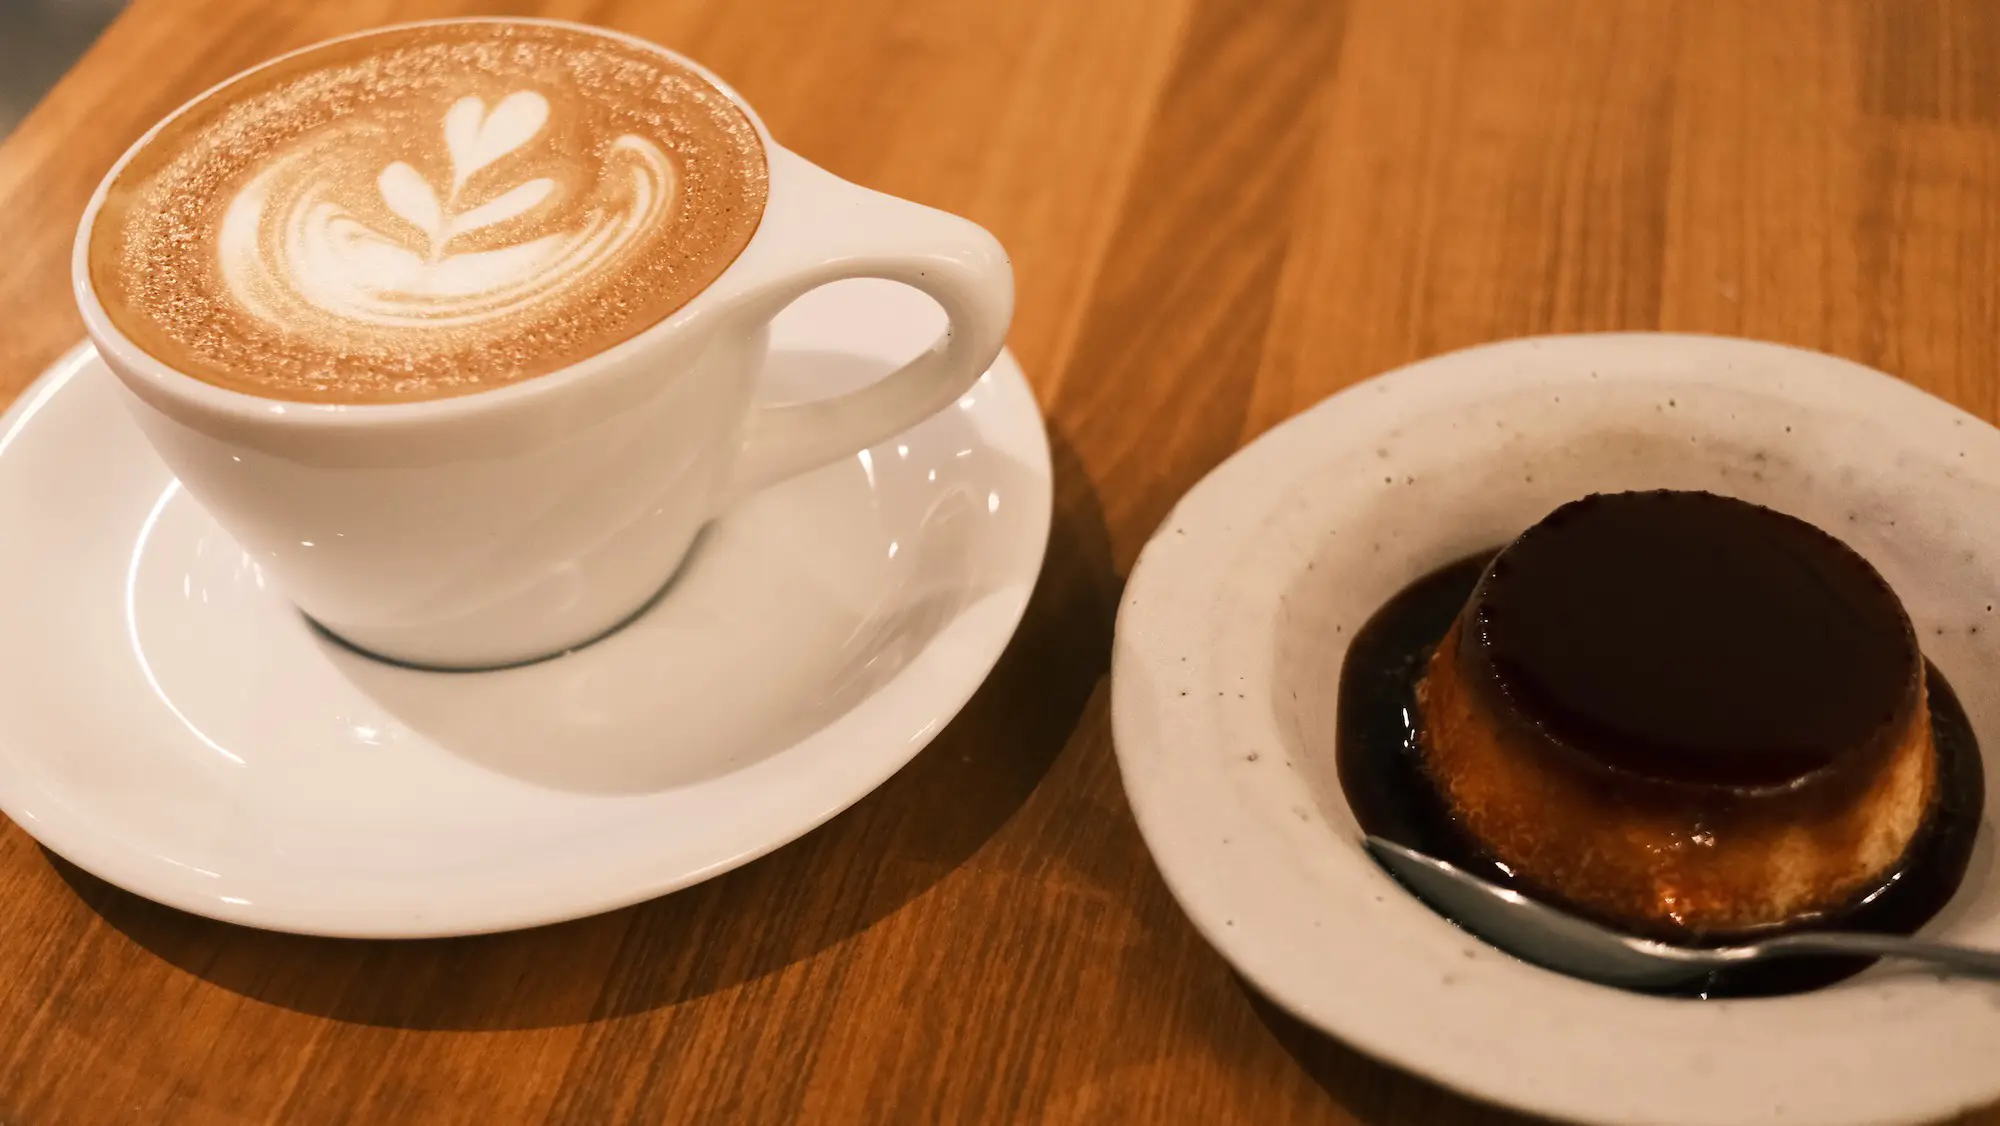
{"x":1235,"y":624}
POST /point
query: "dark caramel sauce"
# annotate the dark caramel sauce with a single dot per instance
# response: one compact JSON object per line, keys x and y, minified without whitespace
{"x":1689,"y":637}
{"x":1386,"y":786}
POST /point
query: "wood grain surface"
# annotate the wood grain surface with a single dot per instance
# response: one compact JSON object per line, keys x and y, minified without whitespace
{"x":1220,"y":211}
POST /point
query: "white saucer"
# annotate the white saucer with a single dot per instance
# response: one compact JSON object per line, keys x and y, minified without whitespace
{"x":1235,"y":623}
{"x":173,"y":726}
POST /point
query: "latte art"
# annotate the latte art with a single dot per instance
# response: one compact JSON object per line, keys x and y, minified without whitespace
{"x":292,"y":252}
{"x":427,"y":212}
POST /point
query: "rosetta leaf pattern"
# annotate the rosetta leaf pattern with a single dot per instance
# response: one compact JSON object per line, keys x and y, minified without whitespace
{"x":474,"y":138}
{"x":409,"y":195}
{"x":514,"y":202}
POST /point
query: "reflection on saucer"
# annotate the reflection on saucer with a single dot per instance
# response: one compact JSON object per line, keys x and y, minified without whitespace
{"x":171,"y":724}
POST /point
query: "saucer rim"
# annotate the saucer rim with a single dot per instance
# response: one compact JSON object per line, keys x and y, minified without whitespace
{"x":952,"y":675}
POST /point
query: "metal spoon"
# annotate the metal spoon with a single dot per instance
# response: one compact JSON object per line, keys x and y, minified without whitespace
{"x":1560,"y":941}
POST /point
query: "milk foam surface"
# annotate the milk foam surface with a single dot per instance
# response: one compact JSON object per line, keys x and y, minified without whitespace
{"x":427,"y":212}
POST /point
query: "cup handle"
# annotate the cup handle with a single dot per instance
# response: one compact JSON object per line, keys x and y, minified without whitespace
{"x":842,"y":231}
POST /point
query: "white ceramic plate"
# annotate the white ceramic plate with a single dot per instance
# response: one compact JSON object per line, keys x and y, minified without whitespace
{"x":1235,"y":623}
{"x":173,"y":726}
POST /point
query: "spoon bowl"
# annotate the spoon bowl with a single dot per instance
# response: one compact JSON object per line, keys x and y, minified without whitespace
{"x":1557,"y":940}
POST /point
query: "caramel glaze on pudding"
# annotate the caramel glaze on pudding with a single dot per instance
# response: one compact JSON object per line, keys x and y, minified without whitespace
{"x":1682,"y":714}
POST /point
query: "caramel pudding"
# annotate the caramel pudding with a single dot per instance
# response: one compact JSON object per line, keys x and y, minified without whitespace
{"x":1682,"y":714}
{"x":1386,"y":775}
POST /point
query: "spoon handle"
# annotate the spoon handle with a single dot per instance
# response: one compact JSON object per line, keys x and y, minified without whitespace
{"x":1964,"y":959}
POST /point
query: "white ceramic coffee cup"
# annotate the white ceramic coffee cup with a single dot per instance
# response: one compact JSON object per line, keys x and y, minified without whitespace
{"x":511,"y":524}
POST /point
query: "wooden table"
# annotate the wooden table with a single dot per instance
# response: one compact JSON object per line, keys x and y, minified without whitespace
{"x":1220,"y":211}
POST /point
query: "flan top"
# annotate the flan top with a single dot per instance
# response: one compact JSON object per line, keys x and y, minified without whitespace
{"x":1689,"y":638}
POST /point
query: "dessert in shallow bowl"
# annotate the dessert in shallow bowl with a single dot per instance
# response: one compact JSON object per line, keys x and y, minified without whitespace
{"x":1864,"y":567}
{"x":1687,"y":716}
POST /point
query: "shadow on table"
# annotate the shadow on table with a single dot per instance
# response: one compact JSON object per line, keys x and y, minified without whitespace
{"x":776,"y":911}
{"x":1377,"y":1093}
{"x":1374,"y":1092}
